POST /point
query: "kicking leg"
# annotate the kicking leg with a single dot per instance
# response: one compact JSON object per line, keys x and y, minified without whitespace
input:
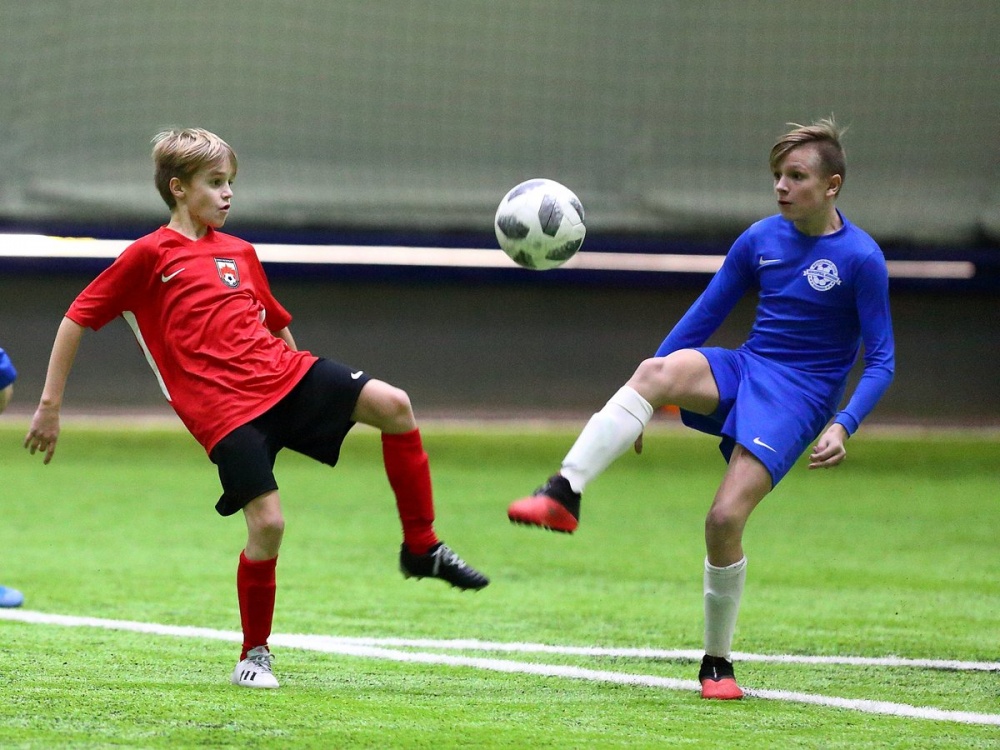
{"x":683,"y":378}
{"x":422,"y":554}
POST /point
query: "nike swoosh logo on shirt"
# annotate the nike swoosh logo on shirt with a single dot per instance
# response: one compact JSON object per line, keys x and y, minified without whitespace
{"x":356,"y":375}
{"x":769,"y":261}
{"x":164,"y":278}
{"x":762,"y":444}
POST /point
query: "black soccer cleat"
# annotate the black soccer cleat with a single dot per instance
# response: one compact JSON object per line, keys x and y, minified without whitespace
{"x":553,"y":506}
{"x":441,"y":562}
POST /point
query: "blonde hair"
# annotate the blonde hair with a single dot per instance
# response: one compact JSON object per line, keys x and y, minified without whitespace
{"x":182,"y":152}
{"x":825,"y":134}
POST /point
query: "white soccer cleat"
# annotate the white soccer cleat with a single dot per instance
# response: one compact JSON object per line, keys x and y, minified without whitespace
{"x":255,"y":670}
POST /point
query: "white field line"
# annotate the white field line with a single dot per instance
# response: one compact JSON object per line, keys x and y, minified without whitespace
{"x":375,"y":648}
{"x":674,"y":654}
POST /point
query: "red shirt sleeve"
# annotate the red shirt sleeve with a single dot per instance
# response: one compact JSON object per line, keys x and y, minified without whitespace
{"x":117,"y":288}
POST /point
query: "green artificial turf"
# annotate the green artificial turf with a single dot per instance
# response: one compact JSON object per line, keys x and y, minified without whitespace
{"x":892,"y":554}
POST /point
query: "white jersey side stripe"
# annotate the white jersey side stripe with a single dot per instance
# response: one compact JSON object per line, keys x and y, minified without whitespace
{"x":134,"y":325}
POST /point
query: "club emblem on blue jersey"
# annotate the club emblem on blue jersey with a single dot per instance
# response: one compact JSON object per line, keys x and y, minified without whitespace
{"x":228,"y":272}
{"x":822,"y":275}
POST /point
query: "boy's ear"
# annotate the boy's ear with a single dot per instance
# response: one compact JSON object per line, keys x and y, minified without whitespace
{"x":833,"y":186}
{"x":176,"y":187}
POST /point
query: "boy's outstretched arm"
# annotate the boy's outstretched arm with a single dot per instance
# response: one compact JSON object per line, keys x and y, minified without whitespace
{"x":44,"y":430}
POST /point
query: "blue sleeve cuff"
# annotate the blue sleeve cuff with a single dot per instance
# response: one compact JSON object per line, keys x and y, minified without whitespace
{"x":846,"y":421}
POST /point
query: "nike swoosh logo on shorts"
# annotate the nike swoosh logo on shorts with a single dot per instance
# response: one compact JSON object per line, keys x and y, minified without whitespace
{"x":762,"y":444}
{"x":769,"y":261}
{"x":164,"y":278}
{"x":356,"y":375}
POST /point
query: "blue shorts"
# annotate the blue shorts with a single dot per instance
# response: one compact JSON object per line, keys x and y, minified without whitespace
{"x":773,"y":411}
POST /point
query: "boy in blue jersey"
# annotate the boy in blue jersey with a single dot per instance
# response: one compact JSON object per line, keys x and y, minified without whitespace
{"x":822,"y":290}
{"x":8,"y":597}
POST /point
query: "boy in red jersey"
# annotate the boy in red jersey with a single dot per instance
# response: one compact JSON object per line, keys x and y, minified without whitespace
{"x":218,"y":342}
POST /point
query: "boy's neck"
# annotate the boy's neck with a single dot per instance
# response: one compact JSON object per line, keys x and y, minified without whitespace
{"x":183,"y":225}
{"x":820,"y":226}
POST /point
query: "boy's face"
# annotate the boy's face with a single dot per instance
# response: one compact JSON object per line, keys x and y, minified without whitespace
{"x":801,"y":187}
{"x":207,"y":196}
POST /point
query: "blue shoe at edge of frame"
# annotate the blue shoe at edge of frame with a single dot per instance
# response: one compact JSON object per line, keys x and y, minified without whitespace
{"x":10,"y":597}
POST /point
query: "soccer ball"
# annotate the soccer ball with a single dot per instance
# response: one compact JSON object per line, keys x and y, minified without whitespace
{"x":539,"y":224}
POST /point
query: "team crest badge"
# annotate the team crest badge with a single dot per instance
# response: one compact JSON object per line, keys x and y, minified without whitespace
{"x":228,"y":272}
{"x":822,"y":275}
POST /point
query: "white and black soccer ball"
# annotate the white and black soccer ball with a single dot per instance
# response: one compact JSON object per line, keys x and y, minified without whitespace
{"x":539,"y":224}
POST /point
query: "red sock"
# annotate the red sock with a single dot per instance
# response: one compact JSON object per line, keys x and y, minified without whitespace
{"x":410,"y":478}
{"x":255,"y":588}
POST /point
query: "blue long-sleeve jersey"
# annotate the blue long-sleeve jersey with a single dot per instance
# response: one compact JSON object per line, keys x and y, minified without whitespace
{"x":819,"y":299}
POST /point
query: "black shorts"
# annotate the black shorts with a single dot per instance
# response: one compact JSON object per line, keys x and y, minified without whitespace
{"x":313,"y":419}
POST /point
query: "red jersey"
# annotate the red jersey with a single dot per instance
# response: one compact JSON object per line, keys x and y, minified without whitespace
{"x":204,"y":316}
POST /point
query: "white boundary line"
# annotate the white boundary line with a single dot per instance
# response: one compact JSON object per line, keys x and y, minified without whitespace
{"x":675,"y":654}
{"x":47,"y":247}
{"x":375,"y":648}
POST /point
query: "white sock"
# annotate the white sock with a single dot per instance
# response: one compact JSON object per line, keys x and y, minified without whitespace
{"x":607,"y":435}
{"x":723,"y":590}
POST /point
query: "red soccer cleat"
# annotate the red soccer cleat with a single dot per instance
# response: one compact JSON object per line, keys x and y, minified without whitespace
{"x":718,"y":680}
{"x":553,"y":506}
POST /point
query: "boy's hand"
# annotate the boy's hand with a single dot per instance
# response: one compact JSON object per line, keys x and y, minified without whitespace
{"x":829,"y":450}
{"x":44,"y":432}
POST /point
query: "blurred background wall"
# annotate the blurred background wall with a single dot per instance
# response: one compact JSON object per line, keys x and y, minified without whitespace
{"x":495,"y":350}
{"x":409,"y":120}
{"x":416,"y":113}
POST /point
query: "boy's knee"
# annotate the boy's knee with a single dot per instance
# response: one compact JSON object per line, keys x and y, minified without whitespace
{"x":718,"y":518}
{"x":682,"y":378}
{"x":652,"y":379}
{"x":725,"y":518}
{"x":400,"y":417}
{"x":388,"y":408}
{"x":264,"y":517}
{"x":264,"y":537}
{"x":397,"y":403}
{"x":651,"y":369}
{"x":267,"y":526}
